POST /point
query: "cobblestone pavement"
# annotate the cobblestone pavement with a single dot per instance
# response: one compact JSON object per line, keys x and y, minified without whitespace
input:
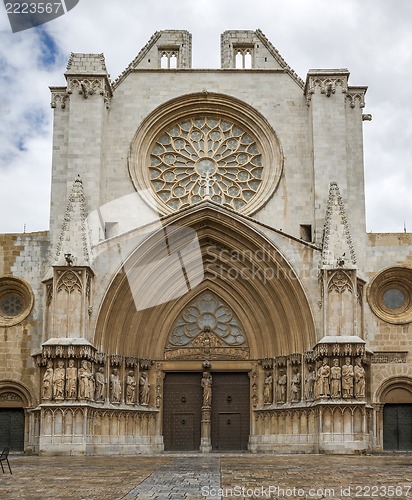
{"x":208,"y":477}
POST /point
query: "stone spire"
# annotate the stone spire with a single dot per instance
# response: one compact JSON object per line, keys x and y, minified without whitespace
{"x":73,"y":247}
{"x":337,"y":249}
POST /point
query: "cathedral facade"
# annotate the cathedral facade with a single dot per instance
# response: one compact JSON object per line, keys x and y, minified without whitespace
{"x":207,"y":282}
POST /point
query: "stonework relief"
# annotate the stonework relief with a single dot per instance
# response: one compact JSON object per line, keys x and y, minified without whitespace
{"x":207,"y":327}
{"x":144,"y":389}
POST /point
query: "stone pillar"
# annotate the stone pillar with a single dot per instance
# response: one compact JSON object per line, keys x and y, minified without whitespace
{"x":205,"y":432}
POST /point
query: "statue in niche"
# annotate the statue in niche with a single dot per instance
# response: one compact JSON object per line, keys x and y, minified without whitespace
{"x":71,"y":380}
{"x":295,"y":385}
{"x":310,"y":380}
{"x":268,"y":389}
{"x":130,"y":388}
{"x":144,"y":389}
{"x":86,"y":381}
{"x":115,"y":387}
{"x":282,"y":381}
{"x":335,"y":378}
{"x":47,"y":389}
{"x":323,"y":387}
{"x":58,"y":381}
{"x":359,"y":373}
{"x":347,"y":379}
{"x":100,"y":383}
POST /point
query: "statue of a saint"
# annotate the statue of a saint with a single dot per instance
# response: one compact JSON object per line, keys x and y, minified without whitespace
{"x":323,"y":379}
{"x":58,"y":381}
{"x":310,"y":384}
{"x":359,"y":373}
{"x":207,"y":389}
{"x":335,"y":378}
{"x":144,"y":389}
{"x":130,"y":388}
{"x":86,"y":382}
{"x":47,"y":389}
{"x":295,"y":385}
{"x":71,"y":380}
{"x":282,"y":381}
{"x":100,"y":383}
{"x":347,"y":379}
{"x":115,"y":387}
{"x":268,"y":389}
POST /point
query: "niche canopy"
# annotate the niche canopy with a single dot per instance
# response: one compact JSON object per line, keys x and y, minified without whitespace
{"x":205,"y":146}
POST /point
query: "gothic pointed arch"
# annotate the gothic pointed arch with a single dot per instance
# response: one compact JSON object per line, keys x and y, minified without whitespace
{"x":238,"y":263}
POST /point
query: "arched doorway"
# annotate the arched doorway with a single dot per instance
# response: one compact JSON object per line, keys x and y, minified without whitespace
{"x":396,"y":396}
{"x":12,"y":417}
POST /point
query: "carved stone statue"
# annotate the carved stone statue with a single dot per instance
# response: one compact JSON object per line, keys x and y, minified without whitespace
{"x":207,"y":388}
{"x":268,"y":389}
{"x":115,"y":387}
{"x":282,"y":381}
{"x":323,"y":387}
{"x":130,"y":388}
{"x":335,"y":378}
{"x":71,"y":380}
{"x":359,"y":372}
{"x":347,"y":379}
{"x":144,"y":391}
{"x":310,"y":380}
{"x":47,"y":389}
{"x":100,"y":383}
{"x":86,"y":382}
{"x":58,"y":381}
{"x":295,"y":385}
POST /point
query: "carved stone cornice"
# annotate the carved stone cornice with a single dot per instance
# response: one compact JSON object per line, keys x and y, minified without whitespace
{"x":326,"y":82}
{"x":385,"y":357}
{"x":355,"y":96}
{"x":59,"y":96}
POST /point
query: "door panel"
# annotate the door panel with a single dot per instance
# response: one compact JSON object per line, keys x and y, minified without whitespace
{"x":230,"y":411}
{"x":397,"y":427}
{"x":12,"y":428}
{"x":182,"y":411}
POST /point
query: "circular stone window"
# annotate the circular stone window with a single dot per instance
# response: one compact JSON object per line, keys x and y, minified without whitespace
{"x":205,"y":147}
{"x":390,"y":295}
{"x":16,"y":301}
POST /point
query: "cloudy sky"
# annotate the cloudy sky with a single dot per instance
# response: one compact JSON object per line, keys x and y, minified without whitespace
{"x":372,"y":38}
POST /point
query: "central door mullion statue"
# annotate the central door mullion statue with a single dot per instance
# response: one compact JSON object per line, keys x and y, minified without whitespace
{"x":205,"y":438}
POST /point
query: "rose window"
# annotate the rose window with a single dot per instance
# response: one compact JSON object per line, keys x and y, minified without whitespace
{"x":206,"y":158}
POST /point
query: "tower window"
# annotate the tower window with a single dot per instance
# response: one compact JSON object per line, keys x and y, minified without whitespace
{"x":168,"y":59}
{"x":243,"y":57}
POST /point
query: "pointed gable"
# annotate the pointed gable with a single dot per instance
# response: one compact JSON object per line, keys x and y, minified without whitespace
{"x":74,"y":239}
{"x":337,"y":249}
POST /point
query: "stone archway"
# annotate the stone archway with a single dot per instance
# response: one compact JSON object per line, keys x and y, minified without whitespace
{"x":14,"y":399}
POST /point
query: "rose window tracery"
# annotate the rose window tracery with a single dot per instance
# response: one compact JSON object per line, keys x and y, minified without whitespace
{"x":206,"y":157}
{"x":207,"y":317}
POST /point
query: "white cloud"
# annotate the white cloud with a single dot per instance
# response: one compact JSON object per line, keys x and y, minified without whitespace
{"x":371,"y":38}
